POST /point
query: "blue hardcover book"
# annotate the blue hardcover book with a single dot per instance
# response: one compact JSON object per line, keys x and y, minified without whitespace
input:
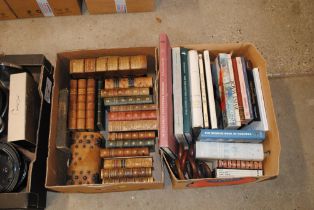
{"x":216,"y":96}
{"x":236,"y":136}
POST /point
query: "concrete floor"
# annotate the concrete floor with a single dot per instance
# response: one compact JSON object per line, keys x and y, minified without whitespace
{"x":282,"y":30}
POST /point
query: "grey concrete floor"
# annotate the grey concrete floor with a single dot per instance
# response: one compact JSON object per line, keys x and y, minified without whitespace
{"x":284,"y":33}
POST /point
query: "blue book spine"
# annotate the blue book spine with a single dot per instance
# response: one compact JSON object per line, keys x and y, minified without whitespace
{"x":217,"y":96}
{"x":240,"y":136}
{"x":247,"y":86}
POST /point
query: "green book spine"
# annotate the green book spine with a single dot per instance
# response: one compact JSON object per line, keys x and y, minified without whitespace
{"x":130,"y":143}
{"x":128,"y":100}
{"x":100,"y":107}
{"x":186,"y":103}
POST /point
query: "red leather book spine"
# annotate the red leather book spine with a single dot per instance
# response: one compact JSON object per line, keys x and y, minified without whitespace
{"x":238,"y":89}
{"x":137,"y":115}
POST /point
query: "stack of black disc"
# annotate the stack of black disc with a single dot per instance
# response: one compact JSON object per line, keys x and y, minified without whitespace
{"x":13,"y":168}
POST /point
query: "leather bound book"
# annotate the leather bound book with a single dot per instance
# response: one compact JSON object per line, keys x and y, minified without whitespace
{"x":129,"y":82}
{"x":131,"y":135}
{"x":90,"y":104}
{"x":76,"y":65}
{"x":127,"y":180}
{"x":138,"y":62}
{"x":101,"y":64}
{"x":100,"y":107}
{"x":135,"y":107}
{"x":137,"y":125}
{"x":143,"y":162}
{"x":90,"y":65}
{"x":85,"y":163}
{"x":131,"y":143}
{"x":81,"y":104}
{"x":134,"y":115}
{"x":124,"y":100}
{"x":125,"y":173}
{"x":125,"y":92}
{"x":124,"y":152}
{"x":124,"y":63}
{"x":112,"y":63}
{"x":72,"y":105}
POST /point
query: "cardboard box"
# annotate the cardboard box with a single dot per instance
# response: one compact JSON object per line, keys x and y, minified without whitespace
{"x":58,"y":159}
{"x":119,"y":6}
{"x":41,"y":8}
{"x":33,"y":196}
{"x":272,"y":142}
{"x":5,"y":11}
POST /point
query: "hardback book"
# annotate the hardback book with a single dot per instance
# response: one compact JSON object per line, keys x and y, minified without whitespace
{"x":101,"y":64}
{"x":134,"y":107}
{"x":125,"y":92}
{"x":255,"y":108}
{"x":133,"y":115}
{"x":237,"y":173}
{"x":124,"y":63}
{"x":236,"y":136}
{"x":240,"y":164}
{"x":132,"y":135}
{"x":261,"y":124}
{"x":203,"y":91}
{"x":130,"y":143}
{"x":244,"y":90}
{"x":72,"y":104}
{"x":81,"y":104}
{"x":244,"y":70}
{"x":210,"y":91}
{"x":100,"y":107}
{"x":112,"y":63}
{"x":238,"y":90}
{"x":138,"y":162}
{"x":90,"y":104}
{"x":126,"y":180}
{"x":177,"y":96}
{"x":129,"y":82}
{"x":229,"y":151}
{"x":138,"y":62}
{"x":124,"y":152}
{"x":77,"y":66}
{"x":125,"y":173}
{"x":195,"y":91}
{"x":166,"y":141}
{"x":134,"y":125}
{"x":186,"y":103}
{"x":217,"y":96}
{"x":110,"y":101}
{"x":90,"y":64}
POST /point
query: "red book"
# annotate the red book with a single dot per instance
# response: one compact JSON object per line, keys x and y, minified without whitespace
{"x":238,"y":89}
{"x":167,"y":141}
{"x":134,"y":115}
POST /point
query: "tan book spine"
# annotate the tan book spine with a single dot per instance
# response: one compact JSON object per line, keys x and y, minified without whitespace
{"x":124,"y":152}
{"x":81,"y":104}
{"x":240,"y":164}
{"x":138,"y":62}
{"x":129,"y":82}
{"x":124,"y":63}
{"x":137,"y":125}
{"x":76,"y":65}
{"x":101,"y":64}
{"x":72,"y":105}
{"x":145,"y":162}
{"x":124,"y":92}
{"x":90,"y":104}
{"x":134,"y":107}
{"x":125,"y":173}
{"x":131,"y":135}
{"x":133,"y":115}
{"x":112,"y":63}
{"x":127,"y":180}
{"x":90,"y":64}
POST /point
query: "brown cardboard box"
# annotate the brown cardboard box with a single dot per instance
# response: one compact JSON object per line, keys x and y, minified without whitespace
{"x":40,"y":8}
{"x":272,"y":141}
{"x":5,"y":11}
{"x":57,"y":159}
{"x":119,"y":6}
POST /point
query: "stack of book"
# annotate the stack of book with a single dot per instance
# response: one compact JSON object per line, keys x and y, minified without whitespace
{"x":218,"y":102}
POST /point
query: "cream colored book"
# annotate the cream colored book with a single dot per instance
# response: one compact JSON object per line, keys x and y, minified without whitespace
{"x":203,"y":91}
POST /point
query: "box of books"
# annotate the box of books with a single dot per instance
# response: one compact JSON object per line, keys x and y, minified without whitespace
{"x":105,"y":122}
{"x":219,"y":128}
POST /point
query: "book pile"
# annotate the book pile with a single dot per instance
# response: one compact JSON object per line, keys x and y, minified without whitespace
{"x":117,"y":112}
{"x":218,"y":104}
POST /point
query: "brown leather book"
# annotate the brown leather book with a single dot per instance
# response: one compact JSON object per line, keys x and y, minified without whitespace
{"x":131,"y":135}
{"x":90,"y":104}
{"x":90,"y":64}
{"x":112,"y":63}
{"x":124,"y":152}
{"x":125,"y":173}
{"x":139,"y":62}
{"x":133,"y":115}
{"x":137,"y":125}
{"x":124,"y":92}
{"x":101,"y":64}
{"x":129,"y":82}
{"x":124,"y":63}
{"x":143,"y":162}
{"x":133,"y":107}
{"x":85,"y":163}
{"x":81,"y":104}
{"x":76,"y":65}
{"x":72,"y":105}
{"x":127,"y":180}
